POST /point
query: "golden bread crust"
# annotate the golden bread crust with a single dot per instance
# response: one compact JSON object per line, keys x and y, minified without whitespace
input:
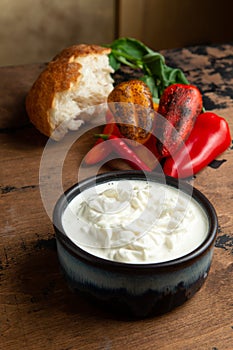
{"x":59,"y":74}
{"x":81,"y":50}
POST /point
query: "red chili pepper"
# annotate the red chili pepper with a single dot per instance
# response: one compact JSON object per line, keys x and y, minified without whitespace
{"x":126,"y":152}
{"x":147,"y":151}
{"x":98,"y":152}
{"x":209,"y":138}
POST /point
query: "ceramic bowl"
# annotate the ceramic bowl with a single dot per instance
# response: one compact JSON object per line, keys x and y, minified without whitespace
{"x":138,"y":290}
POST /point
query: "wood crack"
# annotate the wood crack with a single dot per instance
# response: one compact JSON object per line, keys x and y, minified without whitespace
{"x":9,"y":189}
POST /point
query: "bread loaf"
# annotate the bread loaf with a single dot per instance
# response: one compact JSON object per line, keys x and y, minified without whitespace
{"x":77,"y":78}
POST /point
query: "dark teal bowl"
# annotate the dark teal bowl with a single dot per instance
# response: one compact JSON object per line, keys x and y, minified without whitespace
{"x":137,"y":290}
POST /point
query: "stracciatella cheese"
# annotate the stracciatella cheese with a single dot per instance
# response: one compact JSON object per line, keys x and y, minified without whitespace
{"x":135,"y":221}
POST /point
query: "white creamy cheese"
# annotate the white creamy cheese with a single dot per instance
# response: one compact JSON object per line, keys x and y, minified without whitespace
{"x":135,"y":221}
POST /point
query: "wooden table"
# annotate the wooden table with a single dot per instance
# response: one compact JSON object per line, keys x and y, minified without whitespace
{"x":37,"y":310}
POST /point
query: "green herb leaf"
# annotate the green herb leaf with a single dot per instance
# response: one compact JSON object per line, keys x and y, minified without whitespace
{"x":157,"y":75}
{"x":149,"y":80}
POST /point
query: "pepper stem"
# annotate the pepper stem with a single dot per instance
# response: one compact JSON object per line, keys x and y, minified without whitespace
{"x":102,"y":136}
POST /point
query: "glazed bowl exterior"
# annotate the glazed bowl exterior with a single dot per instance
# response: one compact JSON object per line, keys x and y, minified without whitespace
{"x":137,"y":290}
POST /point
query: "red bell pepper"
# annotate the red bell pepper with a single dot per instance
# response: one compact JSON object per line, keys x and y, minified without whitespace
{"x":180,"y":104}
{"x":209,"y":138}
{"x":110,"y":126}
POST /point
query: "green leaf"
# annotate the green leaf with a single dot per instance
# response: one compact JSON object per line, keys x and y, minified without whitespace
{"x":147,"y":79}
{"x":114,"y":63}
{"x":126,"y":59}
{"x":130,"y":46}
{"x":157,"y":75}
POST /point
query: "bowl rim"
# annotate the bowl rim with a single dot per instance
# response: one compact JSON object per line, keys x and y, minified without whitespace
{"x":96,"y":261}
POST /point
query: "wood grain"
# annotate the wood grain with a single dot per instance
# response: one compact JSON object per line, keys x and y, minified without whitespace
{"x":37,"y":310}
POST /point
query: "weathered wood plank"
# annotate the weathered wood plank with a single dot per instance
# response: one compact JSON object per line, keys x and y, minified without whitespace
{"x":37,"y":310}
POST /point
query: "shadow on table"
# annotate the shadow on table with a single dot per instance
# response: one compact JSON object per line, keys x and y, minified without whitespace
{"x":43,"y":287}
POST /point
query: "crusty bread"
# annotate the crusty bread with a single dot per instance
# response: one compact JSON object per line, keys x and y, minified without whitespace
{"x":76,"y":79}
